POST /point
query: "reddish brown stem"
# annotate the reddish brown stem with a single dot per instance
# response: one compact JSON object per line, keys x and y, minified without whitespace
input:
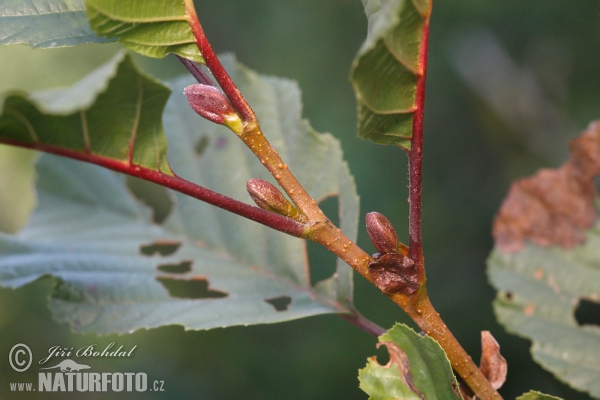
{"x":418,"y":306}
{"x":215,"y":66}
{"x":415,"y":158}
{"x":267,"y":218}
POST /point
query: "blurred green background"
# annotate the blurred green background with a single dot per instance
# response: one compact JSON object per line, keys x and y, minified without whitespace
{"x":509,"y":83}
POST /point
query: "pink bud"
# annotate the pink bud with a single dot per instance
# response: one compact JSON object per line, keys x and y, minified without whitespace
{"x":382,"y":233}
{"x":210,"y":103}
{"x":268,"y":197}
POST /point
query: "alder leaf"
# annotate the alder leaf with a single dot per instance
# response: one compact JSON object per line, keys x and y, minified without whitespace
{"x":384,"y":74}
{"x":539,"y":291}
{"x":46,"y":23}
{"x":118,"y":271}
{"x":114,"y":113}
{"x":151,"y":28}
{"x":546,"y":262}
{"x":418,"y":369}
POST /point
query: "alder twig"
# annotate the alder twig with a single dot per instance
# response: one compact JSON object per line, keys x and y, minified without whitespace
{"x":318,"y":228}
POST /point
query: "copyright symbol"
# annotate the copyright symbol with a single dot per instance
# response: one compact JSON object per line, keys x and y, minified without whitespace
{"x":20,"y":357}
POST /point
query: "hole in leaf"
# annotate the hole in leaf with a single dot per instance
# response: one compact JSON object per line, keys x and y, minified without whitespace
{"x":587,"y":312}
{"x":320,"y":260}
{"x":159,"y":247}
{"x":281,"y":303}
{"x":195,"y":288}
{"x":181,"y":268}
{"x":201,"y":145}
{"x":154,"y":196}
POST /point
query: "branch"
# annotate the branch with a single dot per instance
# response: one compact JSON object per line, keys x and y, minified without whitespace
{"x":415,"y":157}
{"x":364,"y":324}
{"x":418,"y":305}
{"x":319,"y":229}
{"x":214,"y":65}
{"x":422,"y":312}
{"x":270,"y":219}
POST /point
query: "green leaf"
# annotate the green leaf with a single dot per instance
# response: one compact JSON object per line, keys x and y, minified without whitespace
{"x":115,"y":113}
{"x":533,"y":395}
{"x":384,"y":74}
{"x":46,"y":23}
{"x":539,"y":291}
{"x":418,"y":369}
{"x":153,"y":28}
{"x":222,"y":270}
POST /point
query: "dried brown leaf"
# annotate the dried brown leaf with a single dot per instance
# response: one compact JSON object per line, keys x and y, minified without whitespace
{"x":554,"y":206}
{"x":492,"y":364}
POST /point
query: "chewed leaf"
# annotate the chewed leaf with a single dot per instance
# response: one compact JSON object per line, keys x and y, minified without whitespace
{"x":387,"y":69}
{"x":539,"y":289}
{"x":546,"y":262}
{"x":151,"y":28}
{"x":119,"y":271}
{"x":113,"y":113}
{"x":555,"y":206}
{"x":418,"y":369}
{"x":46,"y":23}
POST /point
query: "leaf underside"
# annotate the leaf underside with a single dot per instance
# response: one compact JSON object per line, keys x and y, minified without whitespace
{"x":384,"y":74}
{"x":93,"y":235}
{"x":153,"y":28}
{"x":539,"y":291}
{"x":429,"y":371}
{"x":114,"y":113}
{"x":46,"y":23}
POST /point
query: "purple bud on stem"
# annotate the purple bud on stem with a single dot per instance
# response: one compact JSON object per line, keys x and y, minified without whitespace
{"x":382,"y":233}
{"x":210,"y":103}
{"x":269,"y":198}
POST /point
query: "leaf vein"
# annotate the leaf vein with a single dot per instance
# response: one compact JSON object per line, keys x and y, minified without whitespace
{"x":27,"y":125}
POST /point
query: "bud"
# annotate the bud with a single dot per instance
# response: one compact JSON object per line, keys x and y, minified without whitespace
{"x":269,"y":198}
{"x":211,"y":103}
{"x":382,"y":233}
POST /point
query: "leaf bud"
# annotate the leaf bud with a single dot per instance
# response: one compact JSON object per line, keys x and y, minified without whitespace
{"x":269,"y":198}
{"x":382,"y":233}
{"x":210,"y":103}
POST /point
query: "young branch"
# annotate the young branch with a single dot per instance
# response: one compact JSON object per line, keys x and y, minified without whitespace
{"x":364,"y":324}
{"x":272,"y":220}
{"x":252,"y":135}
{"x":321,"y":230}
{"x":214,"y":65}
{"x":418,"y":305}
{"x":420,"y":310}
{"x":416,"y":157}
